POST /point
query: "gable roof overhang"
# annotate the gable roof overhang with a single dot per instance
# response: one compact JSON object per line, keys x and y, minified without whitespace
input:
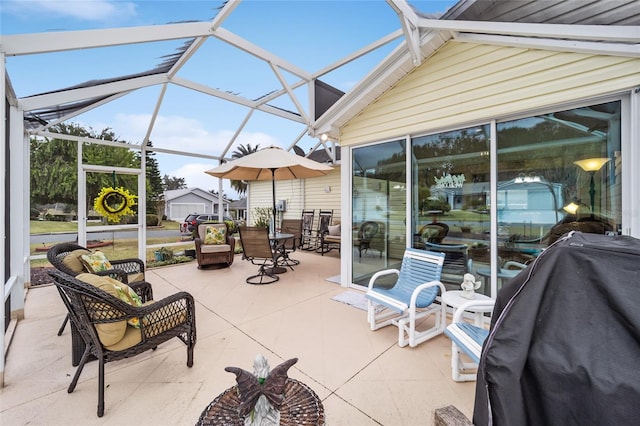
{"x":505,"y":23}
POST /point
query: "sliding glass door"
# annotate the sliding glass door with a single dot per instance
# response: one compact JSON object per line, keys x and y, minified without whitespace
{"x":378,"y":208}
{"x":554,"y":173}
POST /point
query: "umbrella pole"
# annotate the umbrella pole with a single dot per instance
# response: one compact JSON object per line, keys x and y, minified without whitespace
{"x":273,"y":196}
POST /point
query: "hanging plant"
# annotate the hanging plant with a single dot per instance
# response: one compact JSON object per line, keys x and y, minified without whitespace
{"x":114,"y":203}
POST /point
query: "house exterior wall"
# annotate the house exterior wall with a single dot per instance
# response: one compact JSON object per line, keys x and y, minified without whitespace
{"x":299,"y":194}
{"x":176,"y":208}
{"x":469,"y":83}
{"x":464,"y":85}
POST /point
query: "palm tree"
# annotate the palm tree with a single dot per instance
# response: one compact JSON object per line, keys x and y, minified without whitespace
{"x":240,"y":186}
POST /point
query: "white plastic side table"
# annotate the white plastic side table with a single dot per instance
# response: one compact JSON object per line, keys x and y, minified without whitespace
{"x":454,"y":299}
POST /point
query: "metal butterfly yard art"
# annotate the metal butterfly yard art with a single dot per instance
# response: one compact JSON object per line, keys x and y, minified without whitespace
{"x":265,"y":398}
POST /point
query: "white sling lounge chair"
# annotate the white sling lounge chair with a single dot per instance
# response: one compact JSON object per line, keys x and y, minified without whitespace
{"x":411,"y":298}
{"x":467,"y":338}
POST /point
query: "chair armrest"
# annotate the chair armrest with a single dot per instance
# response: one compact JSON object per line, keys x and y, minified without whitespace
{"x":472,"y":306}
{"x":130,"y":266}
{"x":232,"y":242}
{"x":143,"y":289}
{"x":116,"y":274}
{"x":198,"y":243}
{"x":421,"y":287}
{"x":167,"y":313}
{"x":512,"y":264}
{"x":379,"y":274}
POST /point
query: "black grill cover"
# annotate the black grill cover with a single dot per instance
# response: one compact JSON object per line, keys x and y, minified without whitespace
{"x":564,"y":346}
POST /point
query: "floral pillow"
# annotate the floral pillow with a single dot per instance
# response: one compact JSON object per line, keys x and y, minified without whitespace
{"x":95,"y":262}
{"x":126,"y":294}
{"x":215,"y":235}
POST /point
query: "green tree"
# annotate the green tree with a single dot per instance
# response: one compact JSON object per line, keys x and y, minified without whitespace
{"x":54,"y":165}
{"x":171,"y":182}
{"x":154,"y":184}
{"x":240,"y":186}
{"x":103,"y":155}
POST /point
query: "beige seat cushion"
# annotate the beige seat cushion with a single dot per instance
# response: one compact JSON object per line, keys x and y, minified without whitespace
{"x":72,"y":260}
{"x":215,"y":248}
{"x":138,"y":276}
{"x":131,"y":337}
{"x":110,"y":333}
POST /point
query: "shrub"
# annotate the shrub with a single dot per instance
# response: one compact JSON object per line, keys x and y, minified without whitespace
{"x":262,"y":216}
{"x":153,"y":220}
{"x":231,"y":225}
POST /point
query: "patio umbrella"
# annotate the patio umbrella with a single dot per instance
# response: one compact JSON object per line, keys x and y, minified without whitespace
{"x":272,"y":163}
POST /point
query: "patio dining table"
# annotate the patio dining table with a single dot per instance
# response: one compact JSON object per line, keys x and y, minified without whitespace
{"x":282,"y":258}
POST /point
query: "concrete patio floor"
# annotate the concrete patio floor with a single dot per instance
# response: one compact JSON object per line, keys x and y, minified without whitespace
{"x":362,"y":377}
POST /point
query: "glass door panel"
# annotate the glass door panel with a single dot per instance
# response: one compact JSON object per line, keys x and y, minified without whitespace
{"x":379,"y":208}
{"x":450,"y":199}
{"x":557,"y":172}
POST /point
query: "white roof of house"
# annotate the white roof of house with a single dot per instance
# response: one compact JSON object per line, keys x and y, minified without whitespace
{"x":172,"y":194}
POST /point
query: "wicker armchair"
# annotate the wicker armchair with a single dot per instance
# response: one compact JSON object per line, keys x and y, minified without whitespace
{"x":125,"y":270}
{"x":95,"y":311}
{"x":217,"y":252}
{"x":65,"y":257}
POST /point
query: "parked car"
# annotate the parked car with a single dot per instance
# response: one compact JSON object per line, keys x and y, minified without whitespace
{"x":192,"y":221}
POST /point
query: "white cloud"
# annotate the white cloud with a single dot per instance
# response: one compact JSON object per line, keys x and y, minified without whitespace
{"x":94,"y":10}
{"x":184,"y":134}
{"x":195,"y":176}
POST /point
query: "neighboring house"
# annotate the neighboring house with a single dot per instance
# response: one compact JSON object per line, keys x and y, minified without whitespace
{"x":181,"y":202}
{"x":238,"y":209}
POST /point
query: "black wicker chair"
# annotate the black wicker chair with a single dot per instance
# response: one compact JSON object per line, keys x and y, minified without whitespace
{"x":122,"y":268}
{"x":91,"y":307}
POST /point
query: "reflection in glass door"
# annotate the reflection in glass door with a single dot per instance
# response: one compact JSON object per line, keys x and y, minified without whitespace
{"x":450,"y":199}
{"x":379,"y":208}
{"x":557,"y":172}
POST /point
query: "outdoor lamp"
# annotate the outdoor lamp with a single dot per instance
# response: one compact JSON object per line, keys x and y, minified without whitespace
{"x":591,"y":166}
{"x":576,"y":208}
{"x":571,"y":208}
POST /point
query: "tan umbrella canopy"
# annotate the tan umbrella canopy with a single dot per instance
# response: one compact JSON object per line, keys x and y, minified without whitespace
{"x":272,"y":163}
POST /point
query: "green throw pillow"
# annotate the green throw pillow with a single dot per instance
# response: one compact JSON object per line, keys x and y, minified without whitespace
{"x":215,"y":235}
{"x":126,"y":294}
{"x":95,"y":262}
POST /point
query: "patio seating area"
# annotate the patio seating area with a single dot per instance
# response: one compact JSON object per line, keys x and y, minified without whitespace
{"x":362,"y":377}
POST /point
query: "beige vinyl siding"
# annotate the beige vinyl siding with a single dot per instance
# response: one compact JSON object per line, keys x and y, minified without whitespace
{"x":316,"y":198}
{"x":299,"y":194}
{"x":469,"y":83}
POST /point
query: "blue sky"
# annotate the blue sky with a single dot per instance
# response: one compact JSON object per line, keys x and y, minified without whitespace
{"x":309,"y":34}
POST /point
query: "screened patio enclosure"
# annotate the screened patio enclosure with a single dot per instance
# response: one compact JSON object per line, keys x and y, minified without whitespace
{"x":407,"y":185}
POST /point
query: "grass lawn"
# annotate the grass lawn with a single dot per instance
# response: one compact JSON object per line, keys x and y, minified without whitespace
{"x":47,"y":227}
{"x":121,"y":249}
